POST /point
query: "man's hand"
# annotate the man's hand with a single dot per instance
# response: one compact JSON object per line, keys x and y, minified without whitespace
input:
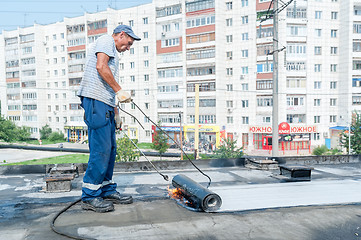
{"x":123,"y":96}
{"x":118,"y":121}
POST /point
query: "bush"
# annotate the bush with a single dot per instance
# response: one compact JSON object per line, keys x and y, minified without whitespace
{"x":126,"y":151}
{"x":23,"y":133}
{"x":56,"y":136}
{"x":228,"y":149}
{"x":320,"y":150}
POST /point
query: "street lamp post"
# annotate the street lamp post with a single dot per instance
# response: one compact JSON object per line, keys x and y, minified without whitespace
{"x":349,"y":138}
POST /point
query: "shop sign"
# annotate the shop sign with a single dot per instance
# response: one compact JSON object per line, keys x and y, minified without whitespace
{"x":75,"y":127}
{"x":171,"y":129}
{"x":259,"y":129}
{"x":284,"y":128}
{"x":292,"y":129}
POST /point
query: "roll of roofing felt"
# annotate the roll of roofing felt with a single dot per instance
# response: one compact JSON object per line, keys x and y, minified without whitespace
{"x":199,"y":196}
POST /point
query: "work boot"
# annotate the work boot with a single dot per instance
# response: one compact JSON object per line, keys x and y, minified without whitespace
{"x":97,"y":205}
{"x":119,"y":198}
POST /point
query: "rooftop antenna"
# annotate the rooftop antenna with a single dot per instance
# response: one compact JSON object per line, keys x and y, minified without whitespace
{"x":25,"y":19}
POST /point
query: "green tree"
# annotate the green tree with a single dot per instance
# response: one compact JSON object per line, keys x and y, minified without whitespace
{"x":160,"y":141}
{"x":8,"y":130}
{"x":126,"y":151}
{"x":355,"y":135}
{"x":23,"y":133}
{"x":45,"y":132}
{"x":228,"y":149}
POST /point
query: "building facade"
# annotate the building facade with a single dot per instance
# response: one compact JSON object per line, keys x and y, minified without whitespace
{"x":224,"y":46}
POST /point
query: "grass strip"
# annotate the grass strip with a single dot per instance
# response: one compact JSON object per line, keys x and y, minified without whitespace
{"x":70,"y":158}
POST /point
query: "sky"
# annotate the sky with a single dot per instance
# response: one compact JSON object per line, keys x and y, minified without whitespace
{"x":20,"y":13}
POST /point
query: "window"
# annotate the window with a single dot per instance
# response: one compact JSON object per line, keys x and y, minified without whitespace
{"x":296,"y":118}
{"x":170,"y":73}
{"x":318,"y":32}
{"x":318,"y":50}
{"x":131,"y":51}
{"x":170,"y":42}
{"x":317,"y":102}
{"x":229,"y":22}
{"x":333,"y":118}
{"x":316,"y":136}
{"x":244,"y":36}
{"x":229,"y":87}
{"x":55,"y":49}
{"x":264,"y":84}
{"x":333,"y":33}
{"x":131,"y":23}
{"x":317,"y":85}
{"x":264,"y":32}
{"x":201,"y":54}
{"x":146,"y":49}
{"x":333,"y":102}
{"x":244,"y":86}
{"x":229,"y":120}
{"x":295,"y":101}
{"x":146,"y":63}
{"x":229,"y":104}
{"x":146,"y":91}
{"x":333,"y":67}
{"x":244,"y":19}
{"x":27,"y":50}
{"x":200,"y":71}
{"x":146,"y":77}
{"x":244,"y":3}
{"x":229,"y":55}
{"x":199,"y":5}
{"x":145,"y":20}
{"x":318,"y":14}
{"x":316,"y":119}
{"x":317,"y":67}
{"x":229,"y":71}
{"x":244,"y":53}
{"x":296,"y":82}
{"x":229,"y":5}
{"x":132,"y":78}
{"x":167,"y":11}
{"x":244,"y":103}
{"x":229,"y":38}
{"x":145,"y":35}
{"x":333,"y":85}
{"x":132,"y":64}
{"x":334,"y":50}
{"x":245,"y":120}
{"x":334,"y":15}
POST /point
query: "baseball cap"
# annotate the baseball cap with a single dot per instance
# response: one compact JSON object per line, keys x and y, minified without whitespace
{"x":128,"y":30}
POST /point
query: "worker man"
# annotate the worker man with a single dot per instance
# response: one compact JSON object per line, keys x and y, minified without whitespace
{"x":98,"y":92}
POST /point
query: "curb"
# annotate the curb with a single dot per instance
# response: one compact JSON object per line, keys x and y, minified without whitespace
{"x":127,"y":166}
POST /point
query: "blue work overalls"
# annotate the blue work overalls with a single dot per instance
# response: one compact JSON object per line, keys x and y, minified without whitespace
{"x":97,"y":181}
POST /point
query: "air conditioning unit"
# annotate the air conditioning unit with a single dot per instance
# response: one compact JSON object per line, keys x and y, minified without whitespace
{"x":241,"y":77}
{"x":163,"y":34}
{"x":325,"y":135}
{"x":229,"y":110}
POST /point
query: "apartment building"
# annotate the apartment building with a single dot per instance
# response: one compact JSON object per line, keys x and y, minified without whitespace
{"x":225,"y":47}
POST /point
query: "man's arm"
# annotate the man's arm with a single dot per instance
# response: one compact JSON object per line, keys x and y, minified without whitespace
{"x":105,"y":72}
